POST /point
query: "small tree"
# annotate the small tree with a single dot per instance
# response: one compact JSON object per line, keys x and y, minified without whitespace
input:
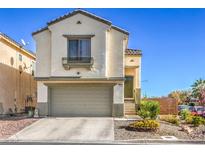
{"x":175,"y":95}
{"x":149,"y":109}
{"x":181,"y":96}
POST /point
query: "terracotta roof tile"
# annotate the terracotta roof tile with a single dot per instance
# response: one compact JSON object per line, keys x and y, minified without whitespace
{"x":133,"y":52}
{"x":120,"y":29}
{"x":81,"y":12}
{"x":40,"y":30}
{"x":88,"y":14}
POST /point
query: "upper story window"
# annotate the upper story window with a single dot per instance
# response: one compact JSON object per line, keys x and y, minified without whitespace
{"x":20,"y":57}
{"x":79,"y":48}
{"x":78,"y":52}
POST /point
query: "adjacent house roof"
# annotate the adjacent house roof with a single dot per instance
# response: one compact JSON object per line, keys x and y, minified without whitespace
{"x":88,"y":14}
{"x":133,"y":52}
{"x":15,"y":43}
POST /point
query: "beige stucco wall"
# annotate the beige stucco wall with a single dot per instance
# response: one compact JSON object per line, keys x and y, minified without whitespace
{"x":116,"y":51}
{"x":8,"y":51}
{"x":135,"y":73}
{"x":42,"y":95}
{"x":107,"y":48}
{"x":15,"y":86}
{"x":133,"y":68}
{"x":59,"y":46}
{"x":132,"y":60}
{"x":43,"y":54}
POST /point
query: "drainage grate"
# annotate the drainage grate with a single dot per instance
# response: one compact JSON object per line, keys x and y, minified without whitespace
{"x":169,"y":138}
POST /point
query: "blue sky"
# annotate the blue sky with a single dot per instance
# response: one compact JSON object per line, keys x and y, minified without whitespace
{"x":172,"y":40}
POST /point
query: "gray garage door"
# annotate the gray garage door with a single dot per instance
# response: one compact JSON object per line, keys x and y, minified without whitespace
{"x":81,"y":100}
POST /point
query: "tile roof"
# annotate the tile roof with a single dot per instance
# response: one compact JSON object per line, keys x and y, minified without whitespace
{"x":133,"y":52}
{"x":81,"y":12}
{"x":120,"y":29}
{"x":88,"y":14}
{"x":40,"y":30}
{"x":16,"y":43}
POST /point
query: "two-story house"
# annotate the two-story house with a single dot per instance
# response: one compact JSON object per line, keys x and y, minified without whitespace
{"x":18,"y":89}
{"x":84,"y":67}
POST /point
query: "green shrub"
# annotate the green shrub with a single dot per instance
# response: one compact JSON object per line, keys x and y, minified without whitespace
{"x":196,"y":121}
{"x":184,"y":114}
{"x":149,"y":109}
{"x":170,"y":118}
{"x":144,"y":125}
{"x":189,"y":119}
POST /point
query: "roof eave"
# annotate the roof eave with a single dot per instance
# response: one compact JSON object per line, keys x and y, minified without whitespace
{"x":12,"y":41}
{"x":84,"y":13}
{"x":40,"y":30}
{"x":133,"y":52}
{"x":138,"y":54}
{"x":120,"y":30}
{"x":81,"y":12}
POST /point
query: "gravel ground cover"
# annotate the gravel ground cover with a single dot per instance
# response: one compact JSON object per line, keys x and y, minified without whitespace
{"x":166,"y":129}
{"x":11,"y":125}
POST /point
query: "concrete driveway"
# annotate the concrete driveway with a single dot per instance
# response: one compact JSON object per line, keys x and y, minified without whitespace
{"x":68,"y":129}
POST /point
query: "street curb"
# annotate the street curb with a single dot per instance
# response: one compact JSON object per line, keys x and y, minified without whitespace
{"x":161,"y":141}
{"x":89,"y":142}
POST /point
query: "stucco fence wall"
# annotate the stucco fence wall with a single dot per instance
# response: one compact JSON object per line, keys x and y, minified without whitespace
{"x":14,"y":88}
{"x":167,"y":105}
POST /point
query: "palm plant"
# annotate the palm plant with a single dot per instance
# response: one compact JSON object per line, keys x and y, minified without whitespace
{"x":198,"y":90}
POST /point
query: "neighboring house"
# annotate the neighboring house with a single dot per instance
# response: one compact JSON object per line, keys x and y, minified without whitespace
{"x":83,"y":67}
{"x":17,"y":84}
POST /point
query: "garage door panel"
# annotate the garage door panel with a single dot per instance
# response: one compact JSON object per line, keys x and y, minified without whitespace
{"x":81,"y":100}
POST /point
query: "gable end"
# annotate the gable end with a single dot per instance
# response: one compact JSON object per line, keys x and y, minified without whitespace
{"x":81,"y":12}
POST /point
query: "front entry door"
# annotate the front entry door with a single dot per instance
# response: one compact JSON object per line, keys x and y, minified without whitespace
{"x":128,"y":87}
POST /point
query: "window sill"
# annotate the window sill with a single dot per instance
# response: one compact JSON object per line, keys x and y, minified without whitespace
{"x":67,"y":64}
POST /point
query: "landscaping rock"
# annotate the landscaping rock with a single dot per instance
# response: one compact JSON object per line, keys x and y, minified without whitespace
{"x":11,"y":125}
{"x":166,"y":129}
{"x":186,"y":129}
